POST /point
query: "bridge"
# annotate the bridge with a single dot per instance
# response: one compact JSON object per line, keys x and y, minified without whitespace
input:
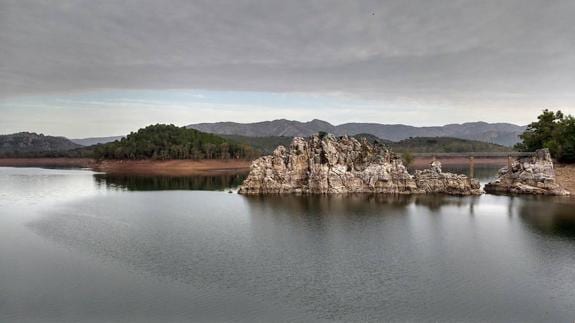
{"x":510,"y":155}
{"x":498,"y":154}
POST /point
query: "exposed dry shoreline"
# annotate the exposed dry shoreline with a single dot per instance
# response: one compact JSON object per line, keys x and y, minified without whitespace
{"x":566,"y":177}
{"x":134,"y":167}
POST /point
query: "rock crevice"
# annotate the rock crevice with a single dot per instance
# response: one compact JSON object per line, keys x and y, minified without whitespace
{"x":326,"y":164}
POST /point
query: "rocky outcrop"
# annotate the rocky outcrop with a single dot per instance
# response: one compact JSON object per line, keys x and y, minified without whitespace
{"x":326,"y":164}
{"x":433,"y":180}
{"x":530,"y":175}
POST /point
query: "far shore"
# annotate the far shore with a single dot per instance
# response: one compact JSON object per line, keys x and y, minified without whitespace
{"x":190,"y":167}
{"x":135,"y":167}
{"x":565,"y":173}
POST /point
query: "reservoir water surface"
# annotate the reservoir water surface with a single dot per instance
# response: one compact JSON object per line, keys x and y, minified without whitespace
{"x":78,"y":246}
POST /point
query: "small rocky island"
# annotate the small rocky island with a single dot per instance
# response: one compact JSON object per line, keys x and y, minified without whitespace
{"x":529,"y":175}
{"x":324,"y":163}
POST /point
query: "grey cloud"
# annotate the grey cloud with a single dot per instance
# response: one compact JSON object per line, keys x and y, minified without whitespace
{"x":416,"y":48}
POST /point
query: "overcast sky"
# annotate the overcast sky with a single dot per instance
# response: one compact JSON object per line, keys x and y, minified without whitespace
{"x":91,"y":68}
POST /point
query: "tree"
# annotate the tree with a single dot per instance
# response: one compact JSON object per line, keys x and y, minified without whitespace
{"x":540,"y":134}
{"x":564,"y":145}
{"x":552,"y":130}
{"x":407,"y":158}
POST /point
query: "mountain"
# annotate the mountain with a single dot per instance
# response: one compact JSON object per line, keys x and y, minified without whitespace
{"x":499,"y":133}
{"x":95,"y":140}
{"x":281,"y":127}
{"x":30,"y":142}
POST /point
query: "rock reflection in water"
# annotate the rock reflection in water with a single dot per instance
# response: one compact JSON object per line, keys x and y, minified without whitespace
{"x":158,"y":183}
{"x":553,"y":216}
{"x":346,"y":204}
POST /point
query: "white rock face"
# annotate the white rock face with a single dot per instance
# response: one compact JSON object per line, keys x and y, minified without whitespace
{"x":345,"y":165}
{"x":433,"y":180}
{"x":531,"y":175}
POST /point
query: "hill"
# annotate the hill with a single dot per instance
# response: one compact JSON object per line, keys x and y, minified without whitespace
{"x":444,"y":145}
{"x":171,"y":142}
{"x":500,"y":133}
{"x":266,"y":145}
{"x":30,"y":143}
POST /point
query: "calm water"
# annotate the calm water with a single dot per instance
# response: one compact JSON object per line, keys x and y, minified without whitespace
{"x":76,"y":246}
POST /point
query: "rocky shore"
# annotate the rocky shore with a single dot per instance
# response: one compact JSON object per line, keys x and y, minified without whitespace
{"x":328,"y":164}
{"x":530,"y":175}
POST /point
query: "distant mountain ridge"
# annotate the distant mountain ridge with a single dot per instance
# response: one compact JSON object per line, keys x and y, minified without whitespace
{"x":506,"y":134}
{"x":30,"y":142}
{"x":95,"y":140}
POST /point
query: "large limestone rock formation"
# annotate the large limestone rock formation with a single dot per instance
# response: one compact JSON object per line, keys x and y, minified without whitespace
{"x":326,"y":164}
{"x":530,"y":175}
{"x":433,"y":180}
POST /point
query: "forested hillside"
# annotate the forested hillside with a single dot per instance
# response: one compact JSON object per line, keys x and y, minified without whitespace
{"x":444,"y":145}
{"x":171,"y":142}
{"x":265,"y":145}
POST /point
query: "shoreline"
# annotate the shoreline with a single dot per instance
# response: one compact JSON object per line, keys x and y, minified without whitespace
{"x":178,"y":167}
{"x":135,"y":167}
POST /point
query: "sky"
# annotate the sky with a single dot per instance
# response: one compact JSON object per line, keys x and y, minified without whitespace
{"x":84,"y":68}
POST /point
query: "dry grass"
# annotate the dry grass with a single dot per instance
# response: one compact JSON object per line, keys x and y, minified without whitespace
{"x":172,"y":167}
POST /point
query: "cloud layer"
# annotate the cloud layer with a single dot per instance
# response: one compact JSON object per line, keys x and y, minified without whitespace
{"x":463,"y":55}
{"x":396,"y":47}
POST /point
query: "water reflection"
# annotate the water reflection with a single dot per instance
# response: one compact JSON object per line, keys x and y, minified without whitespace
{"x":357,"y":257}
{"x":216,"y":182}
{"x":327,"y":205}
{"x":224,"y":181}
{"x":553,"y":216}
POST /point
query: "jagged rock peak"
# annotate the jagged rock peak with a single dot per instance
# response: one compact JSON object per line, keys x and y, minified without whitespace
{"x":528,"y":175}
{"x":324,"y":163}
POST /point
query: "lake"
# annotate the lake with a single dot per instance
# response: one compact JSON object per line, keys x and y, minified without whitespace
{"x":78,"y":246}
